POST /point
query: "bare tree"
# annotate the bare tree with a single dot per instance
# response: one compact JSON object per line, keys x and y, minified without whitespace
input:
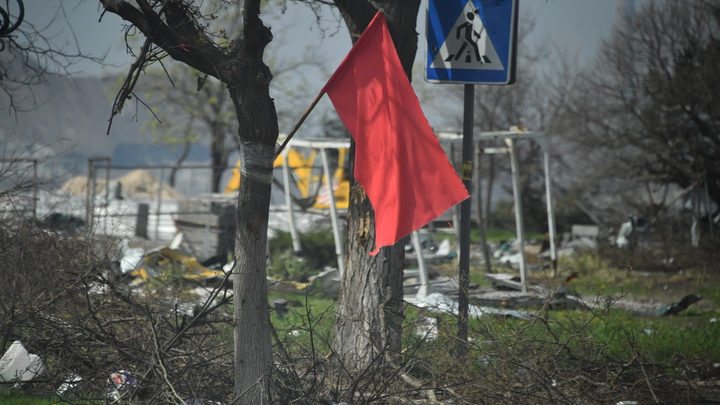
{"x":195,"y":106}
{"x":180,"y":30}
{"x":192,"y":106}
{"x":647,"y":112}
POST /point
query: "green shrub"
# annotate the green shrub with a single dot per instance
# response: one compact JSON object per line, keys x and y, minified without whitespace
{"x":318,"y":252}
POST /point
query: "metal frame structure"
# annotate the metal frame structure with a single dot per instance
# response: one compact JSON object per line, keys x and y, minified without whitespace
{"x":445,"y":137}
{"x":510,"y":138}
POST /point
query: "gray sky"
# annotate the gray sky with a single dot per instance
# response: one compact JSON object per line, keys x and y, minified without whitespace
{"x":575,"y":25}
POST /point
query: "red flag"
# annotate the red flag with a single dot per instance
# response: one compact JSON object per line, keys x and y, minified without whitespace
{"x":398,"y":159}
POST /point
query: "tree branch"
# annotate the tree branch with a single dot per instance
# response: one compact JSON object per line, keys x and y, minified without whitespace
{"x":182,"y":40}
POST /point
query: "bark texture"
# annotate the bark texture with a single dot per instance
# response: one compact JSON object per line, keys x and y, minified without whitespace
{"x":370,"y":310}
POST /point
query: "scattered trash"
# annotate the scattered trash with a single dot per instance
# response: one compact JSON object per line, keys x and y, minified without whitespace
{"x":637,"y":225}
{"x":63,"y":223}
{"x":444,"y":248}
{"x":436,"y":302}
{"x":17,"y":365}
{"x":510,"y":260}
{"x":508,"y":294}
{"x":583,"y":237}
{"x":505,"y":247}
{"x":130,"y":257}
{"x":166,"y":260}
{"x":280,"y":306}
{"x":120,"y":383}
{"x":426,"y":244}
{"x":677,"y":307}
{"x":327,"y":281}
{"x":427,"y":327}
{"x":70,"y":385}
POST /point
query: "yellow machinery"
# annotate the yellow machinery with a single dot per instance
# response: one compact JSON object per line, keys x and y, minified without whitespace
{"x":309,"y":183}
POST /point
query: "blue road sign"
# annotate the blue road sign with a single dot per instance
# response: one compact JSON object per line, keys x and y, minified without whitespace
{"x":471,"y":41}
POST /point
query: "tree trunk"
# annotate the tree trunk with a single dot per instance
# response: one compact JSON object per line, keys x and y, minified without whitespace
{"x":218,"y":155}
{"x":370,"y":312}
{"x":253,"y":349}
{"x":178,"y":164}
{"x":249,"y":86}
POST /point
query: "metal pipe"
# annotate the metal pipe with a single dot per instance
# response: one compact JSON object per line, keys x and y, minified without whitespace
{"x":159,"y":203}
{"x":519,"y":223}
{"x":35,"y":187}
{"x":339,"y":251}
{"x":288,"y":202}
{"x":422,"y":270}
{"x":545,"y":144}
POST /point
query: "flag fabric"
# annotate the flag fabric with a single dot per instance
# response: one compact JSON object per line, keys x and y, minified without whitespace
{"x":398,"y":159}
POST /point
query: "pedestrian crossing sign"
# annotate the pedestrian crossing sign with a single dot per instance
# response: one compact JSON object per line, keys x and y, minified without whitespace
{"x":471,"y":41}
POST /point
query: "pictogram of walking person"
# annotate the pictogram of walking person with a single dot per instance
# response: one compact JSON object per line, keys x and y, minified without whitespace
{"x":469,"y":39}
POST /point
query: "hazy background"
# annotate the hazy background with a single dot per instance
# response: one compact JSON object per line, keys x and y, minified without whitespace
{"x":68,"y":116}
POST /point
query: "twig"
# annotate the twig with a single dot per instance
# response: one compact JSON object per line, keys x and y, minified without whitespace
{"x":161,"y":366}
{"x":647,"y":380}
{"x":129,"y":83}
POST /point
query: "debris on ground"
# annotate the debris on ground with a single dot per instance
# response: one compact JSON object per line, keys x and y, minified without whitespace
{"x":166,"y":261}
{"x":70,"y":385}
{"x":441,"y":303}
{"x":507,"y":292}
{"x":17,"y":365}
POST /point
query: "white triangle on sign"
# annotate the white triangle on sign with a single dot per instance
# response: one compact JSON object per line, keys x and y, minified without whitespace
{"x":468,"y":45}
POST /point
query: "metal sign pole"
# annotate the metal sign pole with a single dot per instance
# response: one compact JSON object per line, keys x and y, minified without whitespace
{"x":464,"y":270}
{"x":470,"y":42}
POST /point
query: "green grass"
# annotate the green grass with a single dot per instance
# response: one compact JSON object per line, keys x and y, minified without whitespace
{"x":613,"y":334}
{"x":623,"y":335}
{"x":18,"y":398}
{"x":308,"y":322}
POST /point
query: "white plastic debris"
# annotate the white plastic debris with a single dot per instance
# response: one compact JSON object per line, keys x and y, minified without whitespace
{"x":440,"y":303}
{"x":427,"y":327}
{"x":130,"y":257}
{"x":72,"y":382}
{"x":17,"y":365}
